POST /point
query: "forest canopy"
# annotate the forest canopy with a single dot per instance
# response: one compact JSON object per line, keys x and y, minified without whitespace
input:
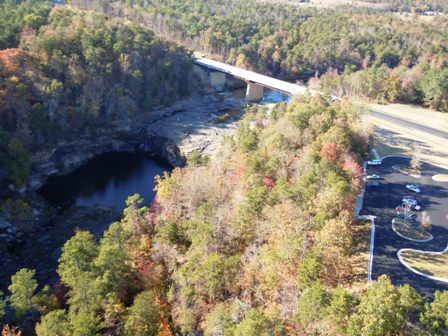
{"x":78,"y":74}
{"x":350,"y":52}
{"x":242,"y":244}
{"x":17,"y":15}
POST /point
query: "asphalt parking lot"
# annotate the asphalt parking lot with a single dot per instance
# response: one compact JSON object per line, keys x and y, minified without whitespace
{"x":381,"y":201}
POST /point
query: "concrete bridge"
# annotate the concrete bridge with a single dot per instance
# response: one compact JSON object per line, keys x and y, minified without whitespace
{"x":255,"y":82}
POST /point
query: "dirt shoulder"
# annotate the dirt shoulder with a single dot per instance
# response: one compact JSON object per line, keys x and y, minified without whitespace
{"x":428,"y":117}
{"x":393,"y":139}
{"x":360,"y":257}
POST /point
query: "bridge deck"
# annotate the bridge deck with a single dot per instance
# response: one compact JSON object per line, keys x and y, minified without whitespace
{"x":250,"y":76}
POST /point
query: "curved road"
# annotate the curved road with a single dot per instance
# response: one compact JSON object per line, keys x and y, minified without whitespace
{"x":409,"y":124}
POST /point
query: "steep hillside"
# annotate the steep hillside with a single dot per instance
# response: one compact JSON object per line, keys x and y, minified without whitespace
{"x":347,"y":51}
{"x":80,"y":75}
{"x":254,"y":242}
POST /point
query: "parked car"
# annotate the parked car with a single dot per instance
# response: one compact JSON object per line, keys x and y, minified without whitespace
{"x":412,"y":205}
{"x":409,"y":199}
{"x":414,"y":188}
{"x":373,"y":184}
{"x":374,"y":162}
{"x":373,"y":177}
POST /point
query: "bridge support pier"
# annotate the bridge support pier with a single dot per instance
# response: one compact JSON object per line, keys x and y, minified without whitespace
{"x":218,"y":80}
{"x":254,"y":92}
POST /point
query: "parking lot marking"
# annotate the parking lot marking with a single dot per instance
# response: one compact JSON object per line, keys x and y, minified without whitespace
{"x":418,"y":272}
{"x":372,"y":245}
{"x":416,"y":240}
{"x":388,"y":266}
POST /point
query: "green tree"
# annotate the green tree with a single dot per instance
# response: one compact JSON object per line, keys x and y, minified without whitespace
{"x":56,"y":89}
{"x":112,"y":262}
{"x":435,"y":315}
{"x":55,"y":323}
{"x":435,"y":89}
{"x":341,"y":307}
{"x":254,"y":323}
{"x":310,"y":269}
{"x":143,"y":316}
{"x":18,"y":162}
{"x":78,"y":272}
{"x":195,"y":159}
{"x":134,"y":220}
{"x":85,"y":323}
{"x":219,"y":321}
{"x":22,"y":288}
{"x":2,"y":305}
{"x":77,"y":257}
{"x":312,"y":304}
{"x":382,"y":310}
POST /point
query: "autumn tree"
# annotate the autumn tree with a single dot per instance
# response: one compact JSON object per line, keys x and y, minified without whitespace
{"x":425,"y":222}
{"x":415,"y":163}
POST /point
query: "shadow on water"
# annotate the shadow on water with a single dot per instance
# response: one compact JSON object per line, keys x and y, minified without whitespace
{"x":106,"y":180}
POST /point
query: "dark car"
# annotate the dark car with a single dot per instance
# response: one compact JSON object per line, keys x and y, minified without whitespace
{"x":373,"y":184}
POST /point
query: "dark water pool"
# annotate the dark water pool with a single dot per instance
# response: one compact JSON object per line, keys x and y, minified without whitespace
{"x":106,"y":180}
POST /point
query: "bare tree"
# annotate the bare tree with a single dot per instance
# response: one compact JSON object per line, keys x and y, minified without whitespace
{"x":415,"y":162}
{"x":425,"y":223}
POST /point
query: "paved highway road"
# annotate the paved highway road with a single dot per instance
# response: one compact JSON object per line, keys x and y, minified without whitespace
{"x":410,"y":124}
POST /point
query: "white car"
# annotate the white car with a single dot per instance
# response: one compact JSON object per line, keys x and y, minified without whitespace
{"x":374,"y":162}
{"x":373,"y":177}
{"x":410,"y":200}
{"x":414,"y":188}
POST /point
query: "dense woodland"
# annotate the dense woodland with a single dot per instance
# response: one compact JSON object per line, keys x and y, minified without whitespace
{"x":77,"y":75}
{"x":260,"y":239}
{"x":415,"y":5}
{"x":352,"y":52}
{"x":16,"y":15}
{"x":243,"y":244}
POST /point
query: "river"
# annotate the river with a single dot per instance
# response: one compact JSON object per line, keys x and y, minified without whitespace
{"x":106,"y":180}
{"x":90,"y":198}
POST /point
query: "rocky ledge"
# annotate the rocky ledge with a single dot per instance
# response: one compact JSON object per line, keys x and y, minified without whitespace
{"x":168,"y":133}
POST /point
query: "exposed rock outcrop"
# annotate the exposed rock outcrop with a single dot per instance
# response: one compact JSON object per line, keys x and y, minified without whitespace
{"x":168,"y":133}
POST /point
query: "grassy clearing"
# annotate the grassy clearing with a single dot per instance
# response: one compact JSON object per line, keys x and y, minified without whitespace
{"x":360,"y":256}
{"x":408,"y":171}
{"x":406,"y":230}
{"x":428,"y":263}
{"x":440,"y":178}
{"x":392,"y":139}
{"x":379,"y":143}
